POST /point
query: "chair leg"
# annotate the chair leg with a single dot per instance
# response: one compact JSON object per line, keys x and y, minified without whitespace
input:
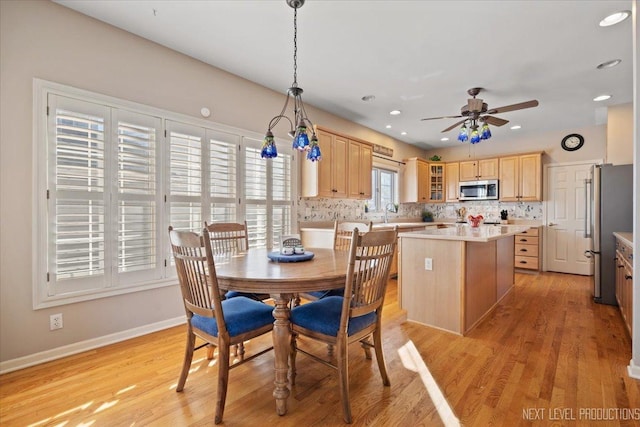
{"x":210,"y":350}
{"x":188,"y":357}
{"x":293,"y":351}
{"x":377,"y":343}
{"x":240,"y":350}
{"x":330,"y":351}
{"x":343,"y":379}
{"x":366,"y":345}
{"x":223,"y":380}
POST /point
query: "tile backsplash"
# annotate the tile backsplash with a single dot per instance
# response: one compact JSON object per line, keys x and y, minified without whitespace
{"x":347,"y":209}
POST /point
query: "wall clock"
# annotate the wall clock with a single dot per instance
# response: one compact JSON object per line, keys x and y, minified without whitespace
{"x":572,"y":142}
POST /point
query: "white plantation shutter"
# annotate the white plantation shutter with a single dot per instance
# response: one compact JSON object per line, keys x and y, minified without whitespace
{"x":281,"y":183}
{"x":268,"y":192}
{"x":223,"y":163}
{"x":137,"y":196}
{"x":186,"y":177}
{"x":79,"y":252}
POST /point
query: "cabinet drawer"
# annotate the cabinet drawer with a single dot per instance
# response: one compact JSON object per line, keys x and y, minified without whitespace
{"x":527,"y":240}
{"x":526,"y":250}
{"x":530,"y":232}
{"x":526,"y":262}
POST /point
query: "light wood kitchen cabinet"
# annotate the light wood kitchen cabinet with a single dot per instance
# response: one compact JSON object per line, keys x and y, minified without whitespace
{"x":521,"y":178}
{"x":436,"y":183}
{"x":624,"y":281}
{"x":344,"y":171}
{"x":452,"y":175}
{"x":415,"y":181}
{"x":527,"y":249}
{"x":360,"y":166}
{"x":474,"y":170}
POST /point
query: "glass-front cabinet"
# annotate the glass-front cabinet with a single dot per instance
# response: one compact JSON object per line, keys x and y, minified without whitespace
{"x":436,"y":182}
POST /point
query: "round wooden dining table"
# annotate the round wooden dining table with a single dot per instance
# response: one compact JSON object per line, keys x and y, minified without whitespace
{"x":252,"y":271}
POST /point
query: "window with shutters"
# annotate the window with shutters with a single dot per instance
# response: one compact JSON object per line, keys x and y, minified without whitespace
{"x":114,"y":175}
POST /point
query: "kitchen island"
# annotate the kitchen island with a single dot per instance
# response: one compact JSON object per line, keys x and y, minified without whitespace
{"x":452,"y":278}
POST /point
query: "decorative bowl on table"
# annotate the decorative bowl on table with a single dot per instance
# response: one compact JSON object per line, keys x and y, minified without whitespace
{"x":475,"y":221}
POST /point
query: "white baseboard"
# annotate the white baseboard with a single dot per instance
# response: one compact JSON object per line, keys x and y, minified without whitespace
{"x":633,"y":370}
{"x":79,"y":347}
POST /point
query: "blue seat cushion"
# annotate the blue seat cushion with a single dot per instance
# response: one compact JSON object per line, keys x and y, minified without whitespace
{"x":241,"y":315}
{"x":323,"y":316}
{"x":327,"y":293}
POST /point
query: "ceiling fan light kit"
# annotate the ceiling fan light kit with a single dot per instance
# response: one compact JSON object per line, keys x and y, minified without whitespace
{"x":300,"y":135}
{"x":477,"y":111}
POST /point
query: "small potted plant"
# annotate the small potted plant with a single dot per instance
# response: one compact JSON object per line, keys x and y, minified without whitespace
{"x":427,"y":216}
{"x":504,"y":215}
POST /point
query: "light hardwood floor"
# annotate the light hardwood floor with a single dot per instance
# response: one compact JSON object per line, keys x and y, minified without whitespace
{"x":547,"y":349}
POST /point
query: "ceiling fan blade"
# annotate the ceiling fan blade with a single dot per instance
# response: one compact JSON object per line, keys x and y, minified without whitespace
{"x":454,"y":125}
{"x":513,"y":107}
{"x":443,"y":117}
{"x":495,"y":121}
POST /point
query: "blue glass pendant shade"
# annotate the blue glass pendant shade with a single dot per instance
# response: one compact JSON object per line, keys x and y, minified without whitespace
{"x":269,"y":150}
{"x":486,"y":132}
{"x":301,"y":140}
{"x":475,"y":136}
{"x":463,"y":135}
{"x":314,"y":153}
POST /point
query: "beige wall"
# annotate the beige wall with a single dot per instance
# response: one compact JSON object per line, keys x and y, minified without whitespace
{"x":594,"y":147}
{"x":620,"y":134}
{"x":45,"y":40}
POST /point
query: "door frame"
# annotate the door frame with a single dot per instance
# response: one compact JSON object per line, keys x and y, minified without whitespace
{"x":546,"y":201}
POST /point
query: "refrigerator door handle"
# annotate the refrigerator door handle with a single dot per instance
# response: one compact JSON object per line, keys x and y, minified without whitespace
{"x":587,"y":208}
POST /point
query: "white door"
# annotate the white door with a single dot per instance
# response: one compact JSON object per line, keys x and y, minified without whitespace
{"x":564,"y":241}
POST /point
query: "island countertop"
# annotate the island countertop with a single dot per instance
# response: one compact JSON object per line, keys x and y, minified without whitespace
{"x":464,"y":232}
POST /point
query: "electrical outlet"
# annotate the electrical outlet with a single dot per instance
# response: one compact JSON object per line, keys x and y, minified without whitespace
{"x":55,"y":321}
{"x":428,"y":263}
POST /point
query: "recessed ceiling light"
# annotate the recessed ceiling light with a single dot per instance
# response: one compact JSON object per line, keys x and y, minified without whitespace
{"x":601,"y":98}
{"x":388,"y":126}
{"x":615,"y":18}
{"x":403,"y":133}
{"x":395,"y":112}
{"x":609,"y":64}
{"x":515,"y":127}
{"x":444,"y":139}
{"x":369,"y":98}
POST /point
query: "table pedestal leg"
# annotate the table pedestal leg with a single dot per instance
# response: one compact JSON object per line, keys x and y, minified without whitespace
{"x":281,"y":343}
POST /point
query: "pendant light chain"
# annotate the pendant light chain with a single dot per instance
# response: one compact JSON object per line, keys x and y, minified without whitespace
{"x":295,"y":47}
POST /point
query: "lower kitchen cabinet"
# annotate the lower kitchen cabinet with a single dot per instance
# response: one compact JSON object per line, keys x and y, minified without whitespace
{"x":624,"y":278}
{"x":527,"y":249}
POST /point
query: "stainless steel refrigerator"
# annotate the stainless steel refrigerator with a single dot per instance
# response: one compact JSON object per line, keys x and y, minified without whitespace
{"x":609,"y":209}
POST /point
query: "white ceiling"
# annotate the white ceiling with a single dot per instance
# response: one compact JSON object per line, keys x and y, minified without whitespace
{"x":416,"y":56}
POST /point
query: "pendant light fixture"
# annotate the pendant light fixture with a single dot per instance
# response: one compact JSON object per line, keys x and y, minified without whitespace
{"x":471,"y":133}
{"x":299,"y":133}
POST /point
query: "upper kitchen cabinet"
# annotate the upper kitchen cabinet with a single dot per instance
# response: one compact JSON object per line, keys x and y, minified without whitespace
{"x":328,"y":177}
{"x":360,"y":166}
{"x":475,"y":170}
{"x":422,"y":182}
{"x":344,"y":171}
{"x":437,"y":184}
{"x":521,"y":178}
{"x":452,"y":172}
{"x":415,"y":181}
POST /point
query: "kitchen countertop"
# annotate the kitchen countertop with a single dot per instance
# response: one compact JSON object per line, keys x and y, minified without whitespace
{"x":625,"y":237}
{"x":464,"y":232}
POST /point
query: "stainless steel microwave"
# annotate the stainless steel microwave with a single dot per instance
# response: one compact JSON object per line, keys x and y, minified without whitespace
{"x":479,"y":190}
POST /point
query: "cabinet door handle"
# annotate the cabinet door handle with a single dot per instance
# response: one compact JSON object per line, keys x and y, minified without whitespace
{"x":621,"y":265}
{"x":626,"y":276}
{"x":523,"y":250}
{"x":523,"y":262}
{"x":523,"y":240}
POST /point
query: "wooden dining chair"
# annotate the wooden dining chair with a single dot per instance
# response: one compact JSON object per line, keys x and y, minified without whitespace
{"x":231,"y":238}
{"x":356,"y":316}
{"x":342,"y":232}
{"x":216,"y":322}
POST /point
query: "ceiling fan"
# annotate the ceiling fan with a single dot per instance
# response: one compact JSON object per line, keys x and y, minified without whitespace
{"x":477,"y":110}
